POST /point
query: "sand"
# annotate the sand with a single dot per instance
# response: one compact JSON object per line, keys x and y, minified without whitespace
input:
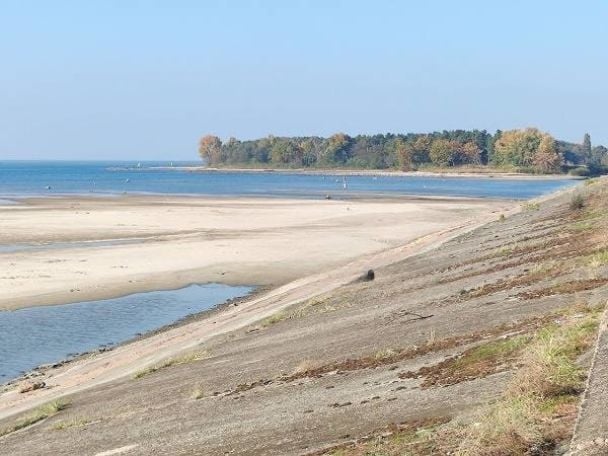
{"x":152,"y":243}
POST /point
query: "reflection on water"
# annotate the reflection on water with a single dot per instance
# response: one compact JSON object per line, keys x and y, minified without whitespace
{"x":38,"y":335}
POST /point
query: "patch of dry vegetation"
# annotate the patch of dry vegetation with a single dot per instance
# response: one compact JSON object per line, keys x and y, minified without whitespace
{"x":538,"y":409}
{"x":476,"y":362}
{"x":41,"y":413}
{"x":184,"y":359}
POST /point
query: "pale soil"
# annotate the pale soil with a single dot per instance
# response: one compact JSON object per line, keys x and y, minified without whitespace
{"x":169,"y":242}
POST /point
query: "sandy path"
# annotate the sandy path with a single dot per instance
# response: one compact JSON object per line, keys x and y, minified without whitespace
{"x":127,"y":359}
{"x":165,"y":243}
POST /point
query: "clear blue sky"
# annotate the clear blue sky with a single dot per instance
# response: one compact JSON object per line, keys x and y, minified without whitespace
{"x":144,"y":79}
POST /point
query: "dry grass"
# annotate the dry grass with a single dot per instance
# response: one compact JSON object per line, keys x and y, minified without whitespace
{"x":477,"y":362}
{"x":530,"y":418}
{"x":73,"y":423}
{"x":41,"y":413}
{"x":184,"y":359}
{"x":197,"y":393}
{"x":306,"y":365}
{"x":273,"y":319}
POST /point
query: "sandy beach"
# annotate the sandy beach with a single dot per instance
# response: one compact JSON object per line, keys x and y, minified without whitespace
{"x":92,"y":248}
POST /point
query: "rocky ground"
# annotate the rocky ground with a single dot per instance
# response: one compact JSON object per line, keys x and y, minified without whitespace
{"x":408,"y":363}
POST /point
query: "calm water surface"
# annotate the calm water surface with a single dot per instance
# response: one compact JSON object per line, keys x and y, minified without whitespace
{"x":32,"y":178}
{"x":39,"y":335}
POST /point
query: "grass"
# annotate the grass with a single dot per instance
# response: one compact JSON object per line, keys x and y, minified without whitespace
{"x":595,"y":260}
{"x":477,"y":362}
{"x":305,"y":366}
{"x":76,"y":422}
{"x":536,"y":412}
{"x":273,"y":319}
{"x":184,"y":359}
{"x":414,"y":438}
{"x":197,"y":393}
{"x":531,"y":415}
{"x":530,"y":206}
{"x":386,"y":353}
{"x":41,"y":413}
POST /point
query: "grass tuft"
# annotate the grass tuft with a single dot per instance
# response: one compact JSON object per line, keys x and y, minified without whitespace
{"x":185,"y":359}
{"x":67,"y":424}
{"x":41,"y":413}
{"x":197,"y":393}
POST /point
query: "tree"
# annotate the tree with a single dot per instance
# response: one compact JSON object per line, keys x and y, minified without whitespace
{"x":442,"y":152}
{"x":469,"y":153}
{"x":404,"y":155}
{"x":546,"y":158}
{"x":336,"y":150}
{"x":587,"y":147}
{"x":517,"y":147}
{"x":210,"y":149}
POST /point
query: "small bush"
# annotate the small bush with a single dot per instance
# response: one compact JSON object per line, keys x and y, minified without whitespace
{"x":577,"y":202}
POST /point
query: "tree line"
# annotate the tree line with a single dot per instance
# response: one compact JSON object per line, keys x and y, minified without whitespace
{"x":528,"y":150}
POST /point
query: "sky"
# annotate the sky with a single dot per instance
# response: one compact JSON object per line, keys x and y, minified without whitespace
{"x":128,"y":79}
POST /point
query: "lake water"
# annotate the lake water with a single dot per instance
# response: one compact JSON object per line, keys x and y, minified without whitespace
{"x":26,"y":178}
{"x":39,"y":335}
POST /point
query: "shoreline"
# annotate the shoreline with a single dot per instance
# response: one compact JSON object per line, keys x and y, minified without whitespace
{"x":46,"y":368}
{"x":482,"y":174}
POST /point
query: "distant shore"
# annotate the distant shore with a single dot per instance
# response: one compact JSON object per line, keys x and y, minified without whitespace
{"x":456,"y":173}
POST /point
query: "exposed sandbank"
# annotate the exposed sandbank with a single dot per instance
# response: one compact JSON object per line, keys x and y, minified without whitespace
{"x":181,"y":240}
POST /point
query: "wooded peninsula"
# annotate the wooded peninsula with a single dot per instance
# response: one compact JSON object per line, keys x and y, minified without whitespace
{"x":527,"y":150}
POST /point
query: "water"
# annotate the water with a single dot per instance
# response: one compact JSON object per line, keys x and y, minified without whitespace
{"x":22,"y":247}
{"x":39,"y":335}
{"x":23,"y":178}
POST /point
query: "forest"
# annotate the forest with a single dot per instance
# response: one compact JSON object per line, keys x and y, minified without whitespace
{"x":524,"y":150}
